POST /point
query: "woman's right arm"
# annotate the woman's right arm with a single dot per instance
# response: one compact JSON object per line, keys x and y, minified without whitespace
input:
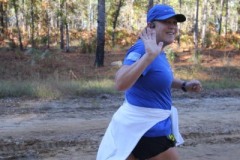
{"x":127,"y":75}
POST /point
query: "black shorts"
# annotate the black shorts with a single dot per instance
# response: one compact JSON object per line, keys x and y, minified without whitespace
{"x":148,"y":147}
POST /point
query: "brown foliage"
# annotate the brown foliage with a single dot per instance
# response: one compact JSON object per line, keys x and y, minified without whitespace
{"x":60,"y":65}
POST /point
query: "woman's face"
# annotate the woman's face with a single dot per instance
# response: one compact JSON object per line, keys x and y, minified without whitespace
{"x":166,"y":30}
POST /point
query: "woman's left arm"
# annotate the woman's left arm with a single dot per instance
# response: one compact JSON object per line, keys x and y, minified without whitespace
{"x":187,"y":86}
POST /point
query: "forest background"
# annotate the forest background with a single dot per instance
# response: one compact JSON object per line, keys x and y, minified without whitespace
{"x":54,"y":48}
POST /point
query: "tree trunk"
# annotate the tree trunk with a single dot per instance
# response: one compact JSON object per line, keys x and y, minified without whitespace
{"x":67,"y":29}
{"x":226,"y":18}
{"x":67,"y":38}
{"x":48,"y":28}
{"x":179,"y":26}
{"x":238,"y":21}
{"x":32,"y":25}
{"x":61,"y":25}
{"x":90,"y":15}
{"x":164,"y":2}
{"x":17,"y":25}
{"x":204,"y":24}
{"x":196,"y":34}
{"x":220,"y":18}
{"x":1,"y":18}
{"x":116,"y":15}
{"x":99,"y":61}
{"x":150,"y":4}
{"x":24,"y":24}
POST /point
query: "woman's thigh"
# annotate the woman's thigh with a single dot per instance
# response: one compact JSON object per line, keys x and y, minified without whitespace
{"x":149,"y":147}
{"x":170,"y":154}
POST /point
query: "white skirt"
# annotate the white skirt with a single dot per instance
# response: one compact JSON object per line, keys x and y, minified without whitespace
{"x":128,"y":125}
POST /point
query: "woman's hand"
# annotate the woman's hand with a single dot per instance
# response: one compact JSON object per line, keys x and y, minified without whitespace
{"x":148,"y":37}
{"x":193,"y":86}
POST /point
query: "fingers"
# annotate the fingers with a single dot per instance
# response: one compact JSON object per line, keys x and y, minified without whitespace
{"x":148,"y":33}
{"x":148,"y":37}
{"x":196,"y":86}
{"x":143,"y":34}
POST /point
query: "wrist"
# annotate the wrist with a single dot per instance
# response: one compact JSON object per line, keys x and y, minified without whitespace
{"x":149,"y":57}
{"x":183,"y":86}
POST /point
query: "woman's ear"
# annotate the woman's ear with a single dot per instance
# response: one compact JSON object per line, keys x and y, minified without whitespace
{"x":151,"y":25}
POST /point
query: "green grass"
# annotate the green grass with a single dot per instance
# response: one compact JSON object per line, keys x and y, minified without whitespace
{"x":15,"y":89}
{"x":222,"y":84}
{"x":55,"y":89}
{"x":211,"y":78}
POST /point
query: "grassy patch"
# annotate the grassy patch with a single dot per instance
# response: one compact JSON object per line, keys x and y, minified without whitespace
{"x":222,"y":84}
{"x":54,"y":89}
{"x":211,"y":77}
{"x":15,"y":89}
{"x":57,"y":74}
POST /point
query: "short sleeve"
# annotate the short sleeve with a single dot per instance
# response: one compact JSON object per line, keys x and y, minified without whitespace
{"x":134,"y":54}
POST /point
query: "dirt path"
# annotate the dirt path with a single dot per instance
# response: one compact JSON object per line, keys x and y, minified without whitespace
{"x":72,"y":128}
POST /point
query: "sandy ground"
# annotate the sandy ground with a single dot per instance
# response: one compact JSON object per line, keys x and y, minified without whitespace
{"x":71,"y":128}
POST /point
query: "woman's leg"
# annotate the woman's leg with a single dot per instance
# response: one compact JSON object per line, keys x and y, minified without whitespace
{"x":170,"y":154}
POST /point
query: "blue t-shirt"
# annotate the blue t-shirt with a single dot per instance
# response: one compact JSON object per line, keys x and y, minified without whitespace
{"x":153,"y":87}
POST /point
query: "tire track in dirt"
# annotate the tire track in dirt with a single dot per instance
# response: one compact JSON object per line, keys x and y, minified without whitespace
{"x":32,"y":141}
{"x":46,"y":130}
{"x":192,"y":139}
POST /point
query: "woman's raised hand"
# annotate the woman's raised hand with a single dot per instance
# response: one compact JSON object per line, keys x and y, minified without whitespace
{"x":148,"y":36}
